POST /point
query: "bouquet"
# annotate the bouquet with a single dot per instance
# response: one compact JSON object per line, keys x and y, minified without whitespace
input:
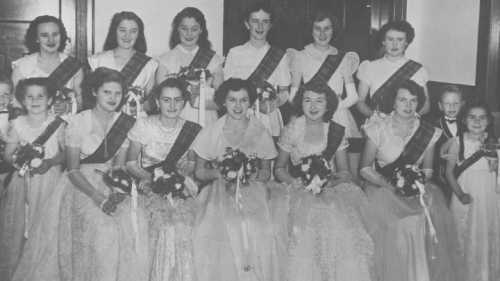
{"x":66,"y":97}
{"x":27,"y":157}
{"x":119,"y":181}
{"x":134,"y":99}
{"x":314,"y":173}
{"x":168,"y":182}
{"x":192,"y":75}
{"x":265,"y":91}
{"x":236,"y":165}
{"x":407,"y":180}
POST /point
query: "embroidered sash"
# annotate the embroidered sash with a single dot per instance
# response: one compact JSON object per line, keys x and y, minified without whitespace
{"x":112,"y":141}
{"x":381,"y":99}
{"x":133,"y":67}
{"x":412,"y":151}
{"x":267,"y":65}
{"x":202,"y":58}
{"x":182,"y":143}
{"x":64,"y":72}
{"x":327,"y":69}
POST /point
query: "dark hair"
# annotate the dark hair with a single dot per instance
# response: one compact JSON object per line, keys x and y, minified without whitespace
{"x":43,"y":82}
{"x":30,"y":39}
{"x":111,"y":42}
{"x":257,"y":6}
{"x":332,"y":100}
{"x":321,"y":15}
{"x":5,"y":79}
{"x":491,"y":138}
{"x":402,"y":26}
{"x":233,"y":84}
{"x":96,"y":79}
{"x":450,"y":89}
{"x":197,"y":15}
{"x":414,"y":89}
{"x":172,"y":82}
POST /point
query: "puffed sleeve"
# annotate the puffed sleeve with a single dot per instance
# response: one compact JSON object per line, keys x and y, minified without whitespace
{"x":282,"y":72}
{"x":364,"y":72}
{"x":138,"y":132}
{"x":93,"y":62}
{"x":421,"y":77}
{"x":215,"y":65}
{"x":287,"y":138}
{"x":203,"y":143}
{"x":373,"y":130}
{"x":74,"y":133}
{"x":229,"y":65}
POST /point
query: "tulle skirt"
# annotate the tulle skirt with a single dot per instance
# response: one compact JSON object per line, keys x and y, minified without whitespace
{"x":235,"y":241}
{"x":97,"y":246}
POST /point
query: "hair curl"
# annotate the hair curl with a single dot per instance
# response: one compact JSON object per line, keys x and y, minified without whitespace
{"x":414,"y":89}
{"x":332,"y":100}
{"x":402,"y":26}
{"x":111,"y":40}
{"x":197,"y":15}
{"x":43,"y":82}
{"x":233,"y":84}
{"x":31,"y":37}
{"x":321,"y":15}
{"x":258,"y":6}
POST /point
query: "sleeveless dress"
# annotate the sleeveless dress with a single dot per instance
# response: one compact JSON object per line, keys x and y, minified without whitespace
{"x":232,"y":243}
{"x":30,"y":208}
{"x":323,"y":234}
{"x":92,"y":244}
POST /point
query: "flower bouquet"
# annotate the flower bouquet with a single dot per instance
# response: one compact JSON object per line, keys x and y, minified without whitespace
{"x":27,"y":157}
{"x":408,"y":180}
{"x":192,"y":75}
{"x":134,"y":100}
{"x":315,"y":171}
{"x":266,"y":94}
{"x":119,"y":181}
{"x":168,"y":182}
{"x":65,"y":98}
{"x":236,"y":165}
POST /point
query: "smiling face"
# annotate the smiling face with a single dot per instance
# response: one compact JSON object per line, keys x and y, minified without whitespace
{"x":170,"y":102}
{"x":395,"y":43}
{"x":476,"y":120}
{"x":49,"y":37}
{"x":109,"y":96}
{"x":258,"y":25}
{"x":405,"y":104}
{"x":237,"y":104}
{"x":189,"y":32}
{"x":450,"y":104}
{"x":127,"y":33}
{"x":322,"y":32}
{"x":36,"y":99}
{"x":314,"y":105}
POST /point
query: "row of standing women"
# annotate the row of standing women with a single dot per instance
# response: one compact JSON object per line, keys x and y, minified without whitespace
{"x":74,"y":227}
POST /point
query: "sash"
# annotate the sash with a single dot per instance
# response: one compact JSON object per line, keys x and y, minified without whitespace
{"x":459,"y":169}
{"x":64,"y":71}
{"x":381,"y":99}
{"x":267,"y":65}
{"x":412,"y":151}
{"x":112,"y":141}
{"x":327,"y":68}
{"x":184,"y":140}
{"x":287,"y":111}
{"x":133,"y":67}
{"x":49,"y":131}
{"x":202,"y":58}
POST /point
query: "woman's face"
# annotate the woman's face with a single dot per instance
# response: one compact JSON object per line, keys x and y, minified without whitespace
{"x":322,"y":32}
{"x":170,"y":102}
{"x":48,"y":37}
{"x":127,"y":33}
{"x":109,"y":96}
{"x":189,"y":32}
{"x":258,"y":25}
{"x":314,"y":105}
{"x":476,"y":120}
{"x":395,"y":43}
{"x":405,"y":104}
{"x":36,"y":99}
{"x":237,"y":104}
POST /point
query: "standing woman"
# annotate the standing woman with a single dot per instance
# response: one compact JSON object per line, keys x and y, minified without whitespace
{"x":190,"y":47}
{"x":163,"y":141}
{"x":46,"y":40}
{"x":97,"y":240}
{"x":125,"y":51}
{"x":233,"y":237}
{"x":320,"y":62}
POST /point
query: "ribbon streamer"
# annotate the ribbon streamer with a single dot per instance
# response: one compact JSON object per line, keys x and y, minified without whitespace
{"x":133,"y":214}
{"x":432,"y":229}
{"x":202,"y":98}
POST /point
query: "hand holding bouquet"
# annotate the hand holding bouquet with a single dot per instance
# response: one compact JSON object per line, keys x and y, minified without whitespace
{"x":65,"y":102}
{"x":237,"y":165}
{"x":168,"y":182}
{"x":408,"y":180}
{"x":134,"y":100}
{"x":28,"y":157}
{"x":315,"y":171}
{"x":266,"y":95}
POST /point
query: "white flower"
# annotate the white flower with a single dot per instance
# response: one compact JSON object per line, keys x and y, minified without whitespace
{"x":36,"y":162}
{"x":178,"y":186}
{"x":265,"y":95}
{"x":232,"y":174}
{"x":401,"y":182}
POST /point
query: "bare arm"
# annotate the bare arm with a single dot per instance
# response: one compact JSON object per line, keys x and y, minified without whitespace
{"x":363,"y":90}
{"x":280,"y":167}
{"x":367,"y":170}
{"x":132,"y":163}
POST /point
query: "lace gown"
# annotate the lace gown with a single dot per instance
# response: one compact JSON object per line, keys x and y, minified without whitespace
{"x":228,"y":239}
{"x":323,"y":235}
{"x":171,"y":226}
{"x":30,"y":208}
{"x":94,"y":246}
{"x":403,"y":248}
{"x":479,"y":222}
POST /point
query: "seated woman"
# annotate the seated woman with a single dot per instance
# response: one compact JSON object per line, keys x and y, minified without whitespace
{"x":410,"y":243}
{"x":323,"y":229}
{"x":233,"y":238}
{"x":163,"y":143}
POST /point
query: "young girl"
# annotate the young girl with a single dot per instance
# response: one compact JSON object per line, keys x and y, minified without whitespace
{"x":164,"y":140}
{"x":31,"y":205}
{"x":471,"y":172}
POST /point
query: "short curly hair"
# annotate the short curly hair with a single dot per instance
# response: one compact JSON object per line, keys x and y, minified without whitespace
{"x":43,"y":82}
{"x":258,"y":6}
{"x":99,"y":77}
{"x":414,"y":89}
{"x":197,"y":15}
{"x":402,"y":26}
{"x":234,"y":84}
{"x":31,"y":37}
{"x":111,"y":41}
{"x":332,"y":100}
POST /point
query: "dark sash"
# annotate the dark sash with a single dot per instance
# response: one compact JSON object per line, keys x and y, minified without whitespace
{"x":286,"y":111}
{"x":184,"y":140}
{"x":381,"y":99}
{"x":134,"y":67}
{"x":327,"y":68}
{"x":267,"y":65}
{"x":63,"y":73}
{"x":202,"y":58}
{"x":412,"y":151}
{"x":459,"y":169}
{"x":112,"y":141}
{"x":49,"y":131}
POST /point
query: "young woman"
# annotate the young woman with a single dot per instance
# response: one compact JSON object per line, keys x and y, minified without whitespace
{"x":234,"y":221}
{"x":326,"y":237}
{"x":97,"y":239}
{"x":406,"y":247}
{"x":164,"y":140}
{"x":30,"y":208}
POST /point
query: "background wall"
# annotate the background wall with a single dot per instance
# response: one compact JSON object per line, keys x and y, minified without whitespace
{"x":157,"y":16}
{"x":446,"y":38}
